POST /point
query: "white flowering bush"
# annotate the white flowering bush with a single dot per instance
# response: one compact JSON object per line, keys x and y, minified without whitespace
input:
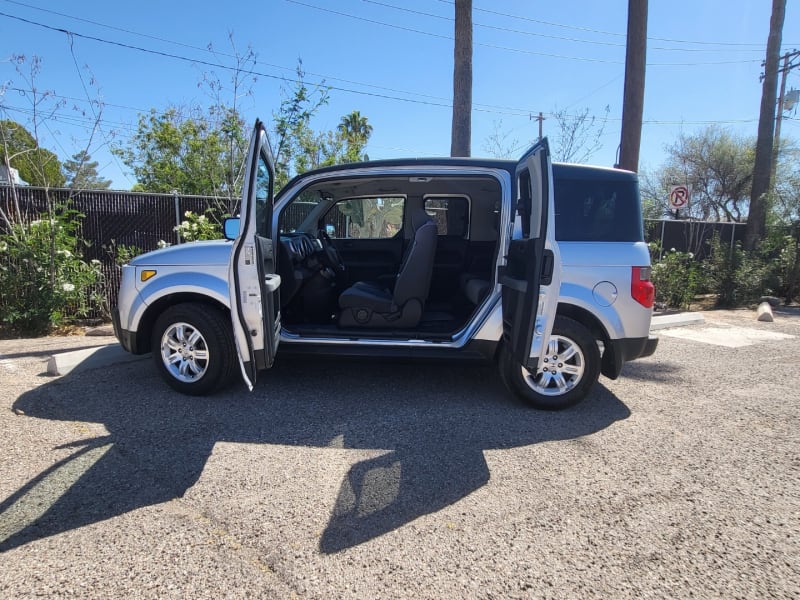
{"x":196,"y":227}
{"x":677,"y":277}
{"x":44,"y":282}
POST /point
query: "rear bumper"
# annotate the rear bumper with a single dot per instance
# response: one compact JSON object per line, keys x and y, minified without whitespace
{"x":618,"y":352}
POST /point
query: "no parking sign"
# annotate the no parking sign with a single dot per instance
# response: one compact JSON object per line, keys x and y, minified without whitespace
{"x":679,"y":196}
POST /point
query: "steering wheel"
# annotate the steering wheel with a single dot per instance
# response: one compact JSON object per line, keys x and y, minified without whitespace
{"x":331,"y":253}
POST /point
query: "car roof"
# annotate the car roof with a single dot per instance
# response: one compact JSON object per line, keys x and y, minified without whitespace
{"x":560,"y":170}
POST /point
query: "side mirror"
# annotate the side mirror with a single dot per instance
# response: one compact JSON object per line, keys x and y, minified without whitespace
{"x":231,"y":228}
{"x":330,"y":230}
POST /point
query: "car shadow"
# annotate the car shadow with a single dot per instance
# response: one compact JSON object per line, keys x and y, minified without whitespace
{"x":433,"y":421}
{"x":651,"y":370}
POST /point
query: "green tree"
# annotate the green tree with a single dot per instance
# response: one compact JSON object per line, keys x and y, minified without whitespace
{"x":20,"y":150}
{"x":81,"y":173}
{"x":44,"y":279}
{"x":298,"y":147}
{"x":185,"y":150}
{"x":356,"y":131}
{"x":718,"y":165}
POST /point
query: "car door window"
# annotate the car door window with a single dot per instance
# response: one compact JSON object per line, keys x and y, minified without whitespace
{"x":366,"y":218}
{"x":450,"y":213}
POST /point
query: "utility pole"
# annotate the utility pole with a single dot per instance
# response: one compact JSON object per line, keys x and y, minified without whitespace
{"x":794,"y":56}
{"x":461,"y":133}
{"x":633,"y":96}
{"x":762,"y":169}
{"x":541,"y":119}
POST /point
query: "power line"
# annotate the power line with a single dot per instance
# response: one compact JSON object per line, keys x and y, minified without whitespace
{"x":229,"y":55}
{"x":97,"y":123}
{"x":442,"y":104}
{"x":611,"y":33}
{"x":73,"y":98}
{"x":476,"y":24}
{"x":550,"y":36}
{"x":510,"y":49}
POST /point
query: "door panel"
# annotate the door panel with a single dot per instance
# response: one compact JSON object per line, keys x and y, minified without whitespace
{"x":530,"y":300}
{"x":252,"y":282}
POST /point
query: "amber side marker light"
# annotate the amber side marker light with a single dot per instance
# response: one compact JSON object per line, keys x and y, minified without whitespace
{"x":148,"y":274}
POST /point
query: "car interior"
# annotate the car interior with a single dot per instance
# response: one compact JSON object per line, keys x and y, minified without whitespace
{"x":394,"y":256}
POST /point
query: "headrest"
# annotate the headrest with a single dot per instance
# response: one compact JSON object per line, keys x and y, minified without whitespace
{"x":419,"y":217}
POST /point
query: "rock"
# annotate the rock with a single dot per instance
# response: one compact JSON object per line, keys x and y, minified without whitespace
{"x":772,"y":300}
{"x":764,"y":312}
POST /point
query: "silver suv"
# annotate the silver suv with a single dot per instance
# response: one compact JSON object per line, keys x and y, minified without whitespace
{"x":541,"y":268}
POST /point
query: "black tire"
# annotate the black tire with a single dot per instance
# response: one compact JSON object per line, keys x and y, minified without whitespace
{"x":576,"y":369}
{"x":193,"y":348}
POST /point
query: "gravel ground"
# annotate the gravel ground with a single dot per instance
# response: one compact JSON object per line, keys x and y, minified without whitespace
{"x":370,"y":480}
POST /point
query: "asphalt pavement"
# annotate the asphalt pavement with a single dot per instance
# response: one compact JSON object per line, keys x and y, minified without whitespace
{"x":355,"y":479}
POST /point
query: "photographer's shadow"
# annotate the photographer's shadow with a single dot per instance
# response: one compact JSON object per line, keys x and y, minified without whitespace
{"x":434,"y":421}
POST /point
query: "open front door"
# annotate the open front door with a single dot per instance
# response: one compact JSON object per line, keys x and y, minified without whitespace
{"x":252,"y":280}
{"x":532,"y":276}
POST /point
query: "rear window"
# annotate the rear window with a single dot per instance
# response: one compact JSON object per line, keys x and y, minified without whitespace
{"x":450,"y":213}
{"x":593,"y":210}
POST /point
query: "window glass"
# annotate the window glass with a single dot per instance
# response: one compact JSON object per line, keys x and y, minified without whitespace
{"x":366,"y":218}
{"x":296,"y":213}
{"x":263,"y":189}
{"x":450,"y":213}
{"x":591,"y":210}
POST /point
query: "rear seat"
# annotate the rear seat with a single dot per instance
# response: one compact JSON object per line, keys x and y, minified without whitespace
{"x":474,"y":288}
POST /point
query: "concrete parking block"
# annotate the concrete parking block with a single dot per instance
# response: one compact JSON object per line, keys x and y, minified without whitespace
{"x":676,"y":320}
{"x":89,"y":358}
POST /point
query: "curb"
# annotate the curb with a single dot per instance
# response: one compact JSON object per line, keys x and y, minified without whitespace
{"x":90,"y":358}
{"x":676,"y":320}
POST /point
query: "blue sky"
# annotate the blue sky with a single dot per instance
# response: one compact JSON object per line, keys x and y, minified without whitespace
{"x":392,"y":60}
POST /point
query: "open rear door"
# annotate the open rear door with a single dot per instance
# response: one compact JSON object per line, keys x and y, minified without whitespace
{"x":252,"y":280}
{"x":532,"y":277}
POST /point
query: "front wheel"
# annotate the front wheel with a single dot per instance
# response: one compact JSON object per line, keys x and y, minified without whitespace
{"x":193,"y":348}
{"x":571,"y":369}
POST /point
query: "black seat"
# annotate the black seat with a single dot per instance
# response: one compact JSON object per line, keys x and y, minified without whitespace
{"x":474,"y":288}
{"x":367,"y":304}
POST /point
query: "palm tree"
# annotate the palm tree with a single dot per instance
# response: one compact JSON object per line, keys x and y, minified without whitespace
{"x":356,"y":131}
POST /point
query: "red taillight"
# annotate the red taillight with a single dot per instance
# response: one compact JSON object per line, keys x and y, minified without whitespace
{"x":642,"y":289}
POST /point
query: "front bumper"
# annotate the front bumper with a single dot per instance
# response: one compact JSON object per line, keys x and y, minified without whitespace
{"x":127,"y":339}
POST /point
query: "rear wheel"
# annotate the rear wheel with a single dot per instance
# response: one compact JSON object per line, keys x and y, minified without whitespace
{"x":193,"y":348}
{"x":566,"y":375}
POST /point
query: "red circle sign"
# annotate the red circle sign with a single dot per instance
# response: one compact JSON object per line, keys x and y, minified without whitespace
{"x":679,"y":196}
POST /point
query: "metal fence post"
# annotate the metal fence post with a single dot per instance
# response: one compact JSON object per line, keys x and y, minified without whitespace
{"x":177,"y":216}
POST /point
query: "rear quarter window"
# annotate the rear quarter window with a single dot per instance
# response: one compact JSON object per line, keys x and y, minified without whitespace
{"x":596,"y":210}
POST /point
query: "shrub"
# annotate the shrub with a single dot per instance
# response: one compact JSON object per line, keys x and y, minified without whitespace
{"x":44,"y":281}
{"x":677,"y":278}
{"x":739,"y":277}
{"x":199,"y":227}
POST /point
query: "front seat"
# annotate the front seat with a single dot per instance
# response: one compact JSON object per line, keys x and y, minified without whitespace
{"x":367,"y":304}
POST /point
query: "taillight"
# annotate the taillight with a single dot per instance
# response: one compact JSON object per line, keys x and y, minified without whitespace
{"x":642,"y":289}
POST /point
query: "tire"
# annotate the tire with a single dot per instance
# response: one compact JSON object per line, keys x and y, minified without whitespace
{"x":193,"y":348}
{"x":572,"y":369}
